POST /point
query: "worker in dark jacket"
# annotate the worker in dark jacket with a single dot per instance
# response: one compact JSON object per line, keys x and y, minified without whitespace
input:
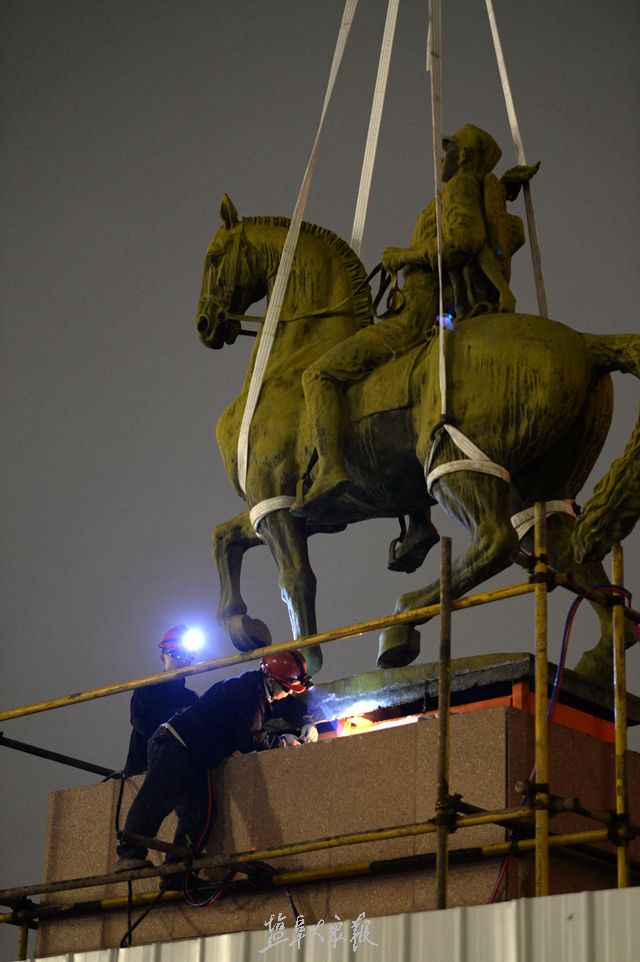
{"x":154,"y":704}
{"x":230,"y":717}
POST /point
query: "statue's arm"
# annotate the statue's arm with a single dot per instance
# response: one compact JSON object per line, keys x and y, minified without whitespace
{"x":515,"y":177}
{"x":395,"y":258}
{"x":417,"y":253}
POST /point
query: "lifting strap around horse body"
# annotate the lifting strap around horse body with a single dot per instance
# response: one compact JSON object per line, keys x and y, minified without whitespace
{"x":476,"y":459}
{"x":523,"y":521}
{"x":263,"y":508}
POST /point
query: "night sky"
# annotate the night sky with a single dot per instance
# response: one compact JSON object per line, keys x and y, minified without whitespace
{"x":122,"y":125}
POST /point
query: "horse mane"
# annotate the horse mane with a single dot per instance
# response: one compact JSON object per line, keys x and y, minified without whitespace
{"x":353,"y":265}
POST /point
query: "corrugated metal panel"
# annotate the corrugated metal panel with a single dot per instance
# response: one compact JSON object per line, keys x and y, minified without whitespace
{"x":582,"y":927}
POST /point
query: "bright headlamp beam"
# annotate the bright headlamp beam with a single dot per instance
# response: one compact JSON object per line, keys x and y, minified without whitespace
{"x":193,"y":639}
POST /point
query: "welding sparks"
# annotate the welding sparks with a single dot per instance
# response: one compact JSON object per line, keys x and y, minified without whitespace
{"x":357,"y":724}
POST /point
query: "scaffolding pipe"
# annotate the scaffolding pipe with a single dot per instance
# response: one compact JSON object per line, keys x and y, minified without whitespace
{"x":525,"y":845}
{"x":620,"y":713}
{"x":401,"y":831}
{"x":415,"y":617}
{"x":443,"y":801}
{"x":558,"y":805}
{"x":541,"y":726}
{"x":9,"y":896}
{"x":542,"y":578}
{"x":480,"y":817}
{"x":23,"y":943}
{"x":602,"y":598}
{"x":407,"y":863}
{"x":296,"y":877}
{"x":56,"y":757}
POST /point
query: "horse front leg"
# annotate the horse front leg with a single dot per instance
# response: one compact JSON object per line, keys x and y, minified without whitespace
{"x":229,"y":541}
{"x":287,"y":540}
{"x":481,"y":504}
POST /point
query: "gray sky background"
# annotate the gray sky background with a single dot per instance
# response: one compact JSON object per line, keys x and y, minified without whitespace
{"x":122,"y":125}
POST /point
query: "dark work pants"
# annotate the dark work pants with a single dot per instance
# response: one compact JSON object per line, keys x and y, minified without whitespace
{"x":174,"y":780}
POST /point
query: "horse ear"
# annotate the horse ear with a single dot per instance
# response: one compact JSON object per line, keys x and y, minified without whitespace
{"x":228,"y":212}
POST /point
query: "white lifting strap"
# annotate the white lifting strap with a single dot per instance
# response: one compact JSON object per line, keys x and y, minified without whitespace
{"x":434,"y":67}
{"x":366,"y":175}
{"x":284,"y":268}
{"x":263,"y":508}
{"x":523,"y":521}
{"x":536,"y":258}
{"x":476,"y":459}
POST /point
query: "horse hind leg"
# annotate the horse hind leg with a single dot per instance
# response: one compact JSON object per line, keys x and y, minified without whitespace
{"x":229,"y":541}
{"x":481,"y":504}
{"x":562,"y":472}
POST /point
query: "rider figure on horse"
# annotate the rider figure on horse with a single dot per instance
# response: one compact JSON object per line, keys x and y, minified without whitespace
{"x":479,"y":238}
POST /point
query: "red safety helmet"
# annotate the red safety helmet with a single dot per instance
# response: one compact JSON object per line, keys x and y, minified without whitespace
{"x":172,"y":639}
{"x":289,"y":669}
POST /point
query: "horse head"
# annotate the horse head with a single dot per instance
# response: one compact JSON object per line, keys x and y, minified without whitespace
{"x":230,"y":282}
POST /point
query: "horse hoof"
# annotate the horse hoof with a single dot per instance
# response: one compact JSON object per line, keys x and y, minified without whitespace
{"x":248,"y":633}
{"x":399,"y":645}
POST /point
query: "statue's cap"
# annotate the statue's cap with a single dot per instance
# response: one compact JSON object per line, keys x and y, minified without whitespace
{"x":480,"y":146}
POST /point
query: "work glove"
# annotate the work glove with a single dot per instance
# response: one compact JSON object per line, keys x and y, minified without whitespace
{"x":309,"y":733}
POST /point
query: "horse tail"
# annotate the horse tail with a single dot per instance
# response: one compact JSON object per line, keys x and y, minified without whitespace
{"x":612,"y":511}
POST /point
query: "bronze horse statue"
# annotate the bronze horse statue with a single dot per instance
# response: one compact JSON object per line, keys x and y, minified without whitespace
{"x":533,"y":394}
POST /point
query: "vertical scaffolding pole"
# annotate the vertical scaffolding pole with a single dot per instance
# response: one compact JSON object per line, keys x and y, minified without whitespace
{"x":620,"y":713}
{"x":444,"y":697}
{"x":23,"y":942}
{"x":541,"y":726}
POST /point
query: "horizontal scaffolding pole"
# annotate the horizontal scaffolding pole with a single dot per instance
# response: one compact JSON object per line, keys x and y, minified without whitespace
{"x":336,"y":841}
{"x":605,"y":599}
{"x":402,"y":864}
{"x":417,"y":616}
{"x":297,"y":877}
{"x":9,"y":896}
{"x":56,"y":757}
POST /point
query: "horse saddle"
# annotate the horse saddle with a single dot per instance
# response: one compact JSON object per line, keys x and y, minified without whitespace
{"x":387,"y":387}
